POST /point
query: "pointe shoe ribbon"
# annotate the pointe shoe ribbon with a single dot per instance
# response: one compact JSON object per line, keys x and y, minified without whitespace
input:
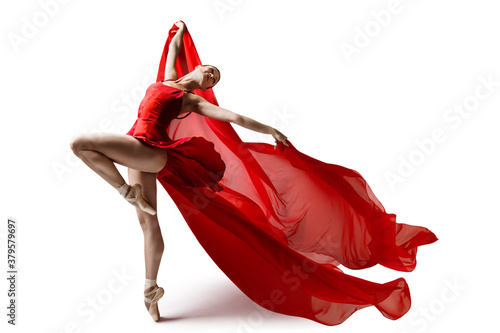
{"x":134,"y":196}
{"x":153,"y":307}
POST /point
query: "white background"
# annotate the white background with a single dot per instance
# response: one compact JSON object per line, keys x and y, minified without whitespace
{"x":282,"y":64}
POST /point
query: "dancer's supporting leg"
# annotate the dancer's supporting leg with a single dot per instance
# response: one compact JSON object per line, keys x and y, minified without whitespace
{"x":153,"y":240}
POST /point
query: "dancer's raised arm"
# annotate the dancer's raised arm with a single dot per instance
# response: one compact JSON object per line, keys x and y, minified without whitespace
{"x":173,"y":51}
{"x":201,"y":106}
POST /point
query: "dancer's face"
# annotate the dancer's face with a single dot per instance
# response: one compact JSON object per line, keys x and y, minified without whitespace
{"x":210,"y":76}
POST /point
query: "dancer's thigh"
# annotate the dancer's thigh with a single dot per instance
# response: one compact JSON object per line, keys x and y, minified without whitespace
{"x":125,"y":150}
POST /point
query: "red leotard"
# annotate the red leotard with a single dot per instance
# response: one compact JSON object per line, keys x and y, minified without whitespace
{"x":192,"y":159}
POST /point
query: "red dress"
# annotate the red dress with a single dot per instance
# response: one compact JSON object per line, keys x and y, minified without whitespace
{"x":283,"y":221}
{"x":191,"y":159}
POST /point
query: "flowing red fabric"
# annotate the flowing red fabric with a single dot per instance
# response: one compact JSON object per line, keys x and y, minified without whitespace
{"x":284,"y":221}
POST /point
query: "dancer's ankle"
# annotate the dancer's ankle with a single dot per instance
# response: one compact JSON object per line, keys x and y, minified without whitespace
{"x":123,"y":189}
{"x":149,"y":283}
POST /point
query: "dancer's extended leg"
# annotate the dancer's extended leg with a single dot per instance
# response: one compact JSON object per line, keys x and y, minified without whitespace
{"x":153,"y":240}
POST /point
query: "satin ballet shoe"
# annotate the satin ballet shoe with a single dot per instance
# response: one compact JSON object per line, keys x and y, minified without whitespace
{"x":153,"y":302}
{"x":134,"y":196}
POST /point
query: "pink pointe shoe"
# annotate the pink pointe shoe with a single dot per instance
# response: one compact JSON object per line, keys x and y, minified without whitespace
{"x":134,"y":196}
{"x":157,"y":293}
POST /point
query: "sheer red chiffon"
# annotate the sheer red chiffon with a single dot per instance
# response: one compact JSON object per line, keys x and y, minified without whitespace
{"x":284,"y":221}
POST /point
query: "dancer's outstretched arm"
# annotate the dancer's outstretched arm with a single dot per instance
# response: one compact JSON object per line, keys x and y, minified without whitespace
{"x":173,"y":51}
{"x":201,"y":106}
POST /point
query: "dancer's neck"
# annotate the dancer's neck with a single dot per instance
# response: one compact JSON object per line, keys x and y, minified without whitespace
{"x":189,"y":81}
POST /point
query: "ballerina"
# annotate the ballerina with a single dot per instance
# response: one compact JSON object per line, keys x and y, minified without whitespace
{"x":277,"y":222}
{"x":144,"y":160}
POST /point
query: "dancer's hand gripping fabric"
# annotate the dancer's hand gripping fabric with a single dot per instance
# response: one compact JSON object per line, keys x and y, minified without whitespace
{"x":181,"y":25}
{"x":278,"y":137}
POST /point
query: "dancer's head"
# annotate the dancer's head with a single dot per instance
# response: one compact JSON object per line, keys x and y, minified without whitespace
{"x":209,"y":77}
